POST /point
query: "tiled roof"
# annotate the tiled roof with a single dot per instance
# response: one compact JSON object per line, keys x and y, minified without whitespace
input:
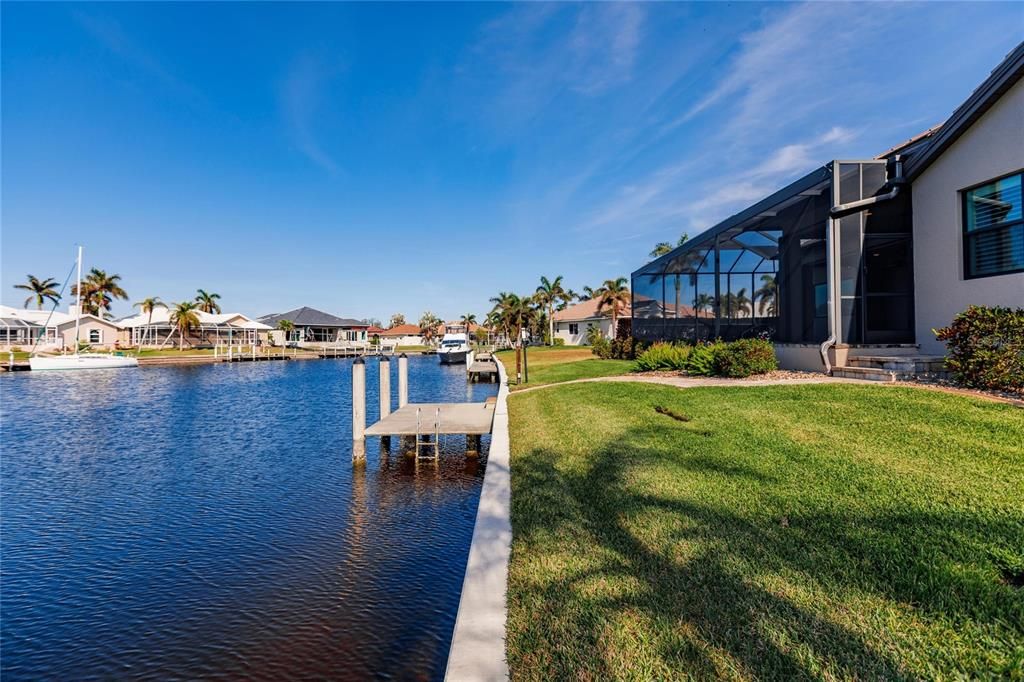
{"x":402,"y":330}
{"x":311,"y":317}
{"x":587,"y":310}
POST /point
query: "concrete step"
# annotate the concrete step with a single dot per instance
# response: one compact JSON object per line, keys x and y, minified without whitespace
{"x":865,"y":373}
{"x":900,"y":349}
{"x":910,"y":364}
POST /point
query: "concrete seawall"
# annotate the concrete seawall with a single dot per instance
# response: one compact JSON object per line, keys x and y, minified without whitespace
{"x":478,"y":643}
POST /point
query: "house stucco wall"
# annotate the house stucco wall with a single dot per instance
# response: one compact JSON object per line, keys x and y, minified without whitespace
{"x":992,"y":147}
{"x":110,"y":335}
{"x":580,"y":339}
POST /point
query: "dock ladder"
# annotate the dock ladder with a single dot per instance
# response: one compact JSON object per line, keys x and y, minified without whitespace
{"x":423,"y":437}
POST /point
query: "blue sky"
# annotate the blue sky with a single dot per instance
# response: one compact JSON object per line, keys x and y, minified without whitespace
{"x":368,"y":159}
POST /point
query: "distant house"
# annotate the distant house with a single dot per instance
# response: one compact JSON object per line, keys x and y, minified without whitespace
{"x":404,"y":335}
{"x":316,"y":326}
{"x":156,"y":329}
{"x":24,"y":328}
{"x":46,"y":330}
{"x":573,"y":324}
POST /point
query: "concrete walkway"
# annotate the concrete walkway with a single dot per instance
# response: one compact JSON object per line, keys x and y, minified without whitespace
{"x":478,"y":643}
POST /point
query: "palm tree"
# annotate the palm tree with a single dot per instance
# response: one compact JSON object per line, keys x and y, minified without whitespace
{"x":98,"y":292}
{"x":548,"y":294}
{"x":703,"y":302}
{"x":468,"y":319}
{"x":768,"y":296}
{"x":498,"y":318}
{"x":588,"y":294}
{"x":147,"y":305}
{"x":661,"y":248}
{"x":514,"y":314}
{"x":207,"y":302}
{"x":185,"y":317}
{"x":428,"y":326}
{"x":42,"y":290}
{"x":741,"y":304}
{"x":614,"y":294}
{"x":567,"y":300}
{"x":286,"y":326}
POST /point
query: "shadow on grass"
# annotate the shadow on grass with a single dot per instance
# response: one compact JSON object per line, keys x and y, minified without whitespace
{"x":660,"y":586}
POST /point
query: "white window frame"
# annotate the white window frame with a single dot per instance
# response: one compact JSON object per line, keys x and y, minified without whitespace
{"x":98,"y":333}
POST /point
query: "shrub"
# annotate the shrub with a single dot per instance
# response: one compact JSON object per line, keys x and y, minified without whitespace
{"x":662,"y":356}
{"x":985,"y":347}
{"x":601,"y":347}
{"x":625,"y":349}
{"x":701,"y":359}
{"x":745,"y":357}
{"x":559,"y":341}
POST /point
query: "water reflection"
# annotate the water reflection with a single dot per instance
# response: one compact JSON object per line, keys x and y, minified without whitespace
{"x":210,"y":522}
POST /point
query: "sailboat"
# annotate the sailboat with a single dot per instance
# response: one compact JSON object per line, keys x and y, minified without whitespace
{"x":79,"y":360}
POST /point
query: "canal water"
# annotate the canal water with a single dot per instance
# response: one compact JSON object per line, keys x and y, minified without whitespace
{"x":208,"y":522}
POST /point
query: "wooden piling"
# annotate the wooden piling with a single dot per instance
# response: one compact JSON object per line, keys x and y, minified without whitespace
{"x":359,"y":400}
{"x":385,"y":386}
{"x":403,"y":380}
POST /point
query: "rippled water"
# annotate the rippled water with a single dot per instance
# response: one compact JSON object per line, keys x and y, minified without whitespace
{"x":188,"y":522}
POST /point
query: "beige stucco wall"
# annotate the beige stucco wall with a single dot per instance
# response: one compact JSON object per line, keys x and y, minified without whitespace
{"x":992,"y":147}
{"x":580,"y":339}
{"x":109,"y":334}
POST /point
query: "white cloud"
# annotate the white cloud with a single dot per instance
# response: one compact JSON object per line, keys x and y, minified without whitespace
{"x":300,"y":99}
{"x":802,"y":157}
{"x":594,"y":52}
{"x":112,"y":36}
{"x":788,"y":68}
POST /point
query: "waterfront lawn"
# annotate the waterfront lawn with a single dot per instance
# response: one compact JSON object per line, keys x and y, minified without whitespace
{"x":554,"y":364}
{"x":780,"y":532}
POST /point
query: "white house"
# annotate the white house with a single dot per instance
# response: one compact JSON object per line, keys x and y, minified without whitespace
{"x":156,"y":329}
{"x":403,"y":335}
{"x":968,"y":220}
{"x":573,"y":324}
{"x":46,"y":330}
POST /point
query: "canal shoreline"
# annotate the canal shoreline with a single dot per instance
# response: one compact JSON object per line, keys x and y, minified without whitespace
{"x":170,"y":360}
{"x":478,"y":643}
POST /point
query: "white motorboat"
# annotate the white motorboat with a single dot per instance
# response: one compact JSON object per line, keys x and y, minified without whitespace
{"x":453,"y":349}
{"x":79,"y":360}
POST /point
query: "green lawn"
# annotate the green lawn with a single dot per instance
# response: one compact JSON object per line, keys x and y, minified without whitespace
{"x":781,"y":532}
{"x":549,"y":365}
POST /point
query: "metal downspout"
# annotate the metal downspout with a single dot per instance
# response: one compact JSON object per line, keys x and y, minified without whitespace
{"x":835,"y":213}
{"x":830,"y":278}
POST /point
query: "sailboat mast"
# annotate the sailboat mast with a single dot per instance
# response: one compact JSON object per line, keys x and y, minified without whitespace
{"x":78,"y":300}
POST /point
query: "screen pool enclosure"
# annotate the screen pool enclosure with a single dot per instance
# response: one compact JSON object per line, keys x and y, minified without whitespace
{"x":795,"y":267}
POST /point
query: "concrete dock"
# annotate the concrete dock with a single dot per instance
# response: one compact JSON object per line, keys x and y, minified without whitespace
{"x":470,"y":419}
{"x":481,"y":366}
